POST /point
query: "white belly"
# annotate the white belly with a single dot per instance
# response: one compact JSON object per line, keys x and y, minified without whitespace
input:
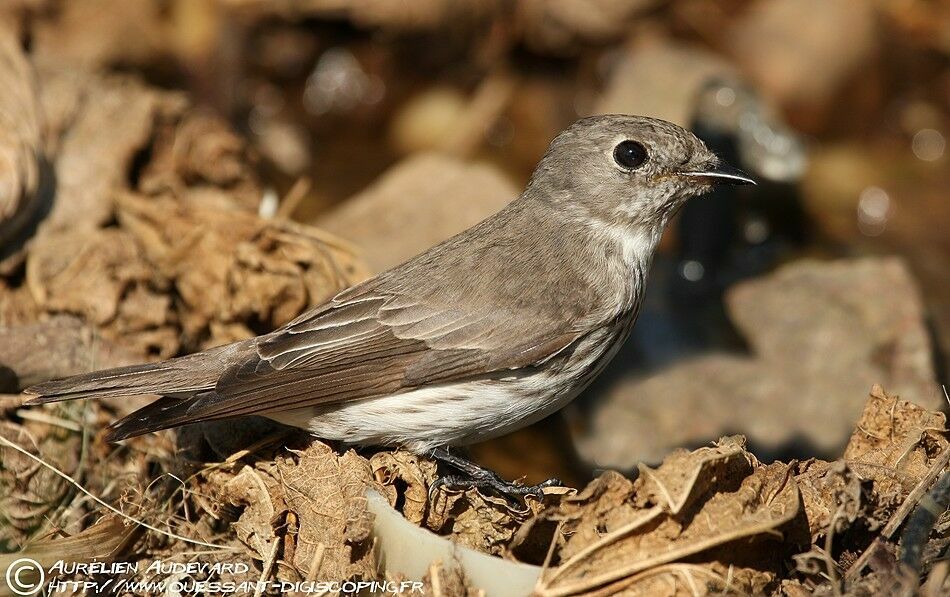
{"x":462,"y":413}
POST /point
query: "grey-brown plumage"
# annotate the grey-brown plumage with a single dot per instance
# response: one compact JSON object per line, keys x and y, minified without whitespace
{"x":486,"y":332}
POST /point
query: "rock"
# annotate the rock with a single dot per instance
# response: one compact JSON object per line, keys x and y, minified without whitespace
{"x":821,"y":334}
{"x":803,"y":53}
{"x":662,"y":80}
{"x":418,"y":203}
{"x":561,"y":26}
{"x":427,"y":119}
{"x":863,"y":317}
{"x":880,"y":198}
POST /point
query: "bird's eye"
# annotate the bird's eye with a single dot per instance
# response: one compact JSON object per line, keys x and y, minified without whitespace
{"x":630,"y":155}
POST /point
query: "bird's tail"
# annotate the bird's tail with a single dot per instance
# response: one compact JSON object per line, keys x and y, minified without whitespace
{"x":182,"y":376}
{"x":164,"y":413}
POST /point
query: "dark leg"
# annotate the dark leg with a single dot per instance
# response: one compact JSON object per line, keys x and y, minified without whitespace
{"x":473,"y":475}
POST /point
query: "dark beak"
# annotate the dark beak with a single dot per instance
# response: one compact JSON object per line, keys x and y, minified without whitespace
{"x":722,"y":173}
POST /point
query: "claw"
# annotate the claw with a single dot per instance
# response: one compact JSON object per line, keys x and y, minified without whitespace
{"x":477,"y":477}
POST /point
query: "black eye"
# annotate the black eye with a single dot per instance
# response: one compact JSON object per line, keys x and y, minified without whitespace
{"x":630,"y":155}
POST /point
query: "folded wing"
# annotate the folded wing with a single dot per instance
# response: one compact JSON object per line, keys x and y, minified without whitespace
{"x":361,"y":345}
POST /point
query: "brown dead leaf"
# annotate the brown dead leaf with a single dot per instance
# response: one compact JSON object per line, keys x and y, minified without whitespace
{"x":405,"y":479}
{"x":101,"y":276}
{"x":17,"y":306}
{"x":21,"y":131}
{"x":261,"y":498}
{"x":201,"y":160}
{"x":327,"y":493}
{"x":599,"y":508}
{"x":687,"y":476}
{"x":112,"y":119}
{"x":83,"y":272}
{"x":621,"y":536}
{"x":485,"y":523}
{"x":189,"y":264}
{"x":29,"y":491}
{"x":96,"y":33}
{"x":323,"y":494}
{"x":231,"y":267}
{"x":448,"y":582}
{"x":894,"y":443}
{"x":96,"y":542}
{"x":359,"y":520}
{"x":832,"y":495}
{"x":59,"y":347}
{"x":689,"y":580}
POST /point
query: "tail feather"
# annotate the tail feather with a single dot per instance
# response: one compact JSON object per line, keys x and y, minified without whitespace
{"x":184,"y":375}
{"x":164,"y":413}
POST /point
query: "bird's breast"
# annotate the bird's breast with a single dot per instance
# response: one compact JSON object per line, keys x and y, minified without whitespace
{"x":580,"y":366}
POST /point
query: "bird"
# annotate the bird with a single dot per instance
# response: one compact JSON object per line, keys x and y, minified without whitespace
{"x":485,"y":333}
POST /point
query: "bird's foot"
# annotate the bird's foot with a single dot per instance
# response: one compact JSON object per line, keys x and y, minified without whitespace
{"x":475,"y":476}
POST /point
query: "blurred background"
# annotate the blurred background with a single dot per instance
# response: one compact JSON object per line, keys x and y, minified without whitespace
{"x":175,"y":174}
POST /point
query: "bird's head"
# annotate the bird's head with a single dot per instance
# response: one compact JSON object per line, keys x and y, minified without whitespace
{"x":628,"y":170}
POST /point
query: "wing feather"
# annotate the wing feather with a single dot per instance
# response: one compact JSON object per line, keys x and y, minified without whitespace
{"x":365,"y":346}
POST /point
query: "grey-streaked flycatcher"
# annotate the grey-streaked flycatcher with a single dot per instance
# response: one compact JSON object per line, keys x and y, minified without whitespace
{"x":482,"y":334}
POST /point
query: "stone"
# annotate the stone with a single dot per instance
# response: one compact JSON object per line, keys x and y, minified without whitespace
{"x":821,"y":334}
{"x":804,"y":53}
{"x":418,"y":203}
{"x":661,"y":79}
{"x":565,"y":26}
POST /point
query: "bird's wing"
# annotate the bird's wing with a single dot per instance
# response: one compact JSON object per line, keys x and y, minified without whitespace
{"x":370,"y":343}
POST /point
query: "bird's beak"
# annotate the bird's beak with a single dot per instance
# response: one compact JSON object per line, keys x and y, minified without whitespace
{"x":721,"y":173}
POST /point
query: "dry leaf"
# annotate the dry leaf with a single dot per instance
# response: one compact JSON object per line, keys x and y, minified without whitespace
{"x":832,"y":495}
{"x":615,"y":541}
{"x":485,"y":523}
{"x":405,"y":480}
{"x":59,"y":347}
{"x":894,"y":443}
{"x":29,"y":491}
{"x":21,"y":131}
{"x":323,"y":494}
{"x":687,"y":476}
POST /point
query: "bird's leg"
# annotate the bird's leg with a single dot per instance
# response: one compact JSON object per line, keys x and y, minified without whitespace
{"x":473,"y":475}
